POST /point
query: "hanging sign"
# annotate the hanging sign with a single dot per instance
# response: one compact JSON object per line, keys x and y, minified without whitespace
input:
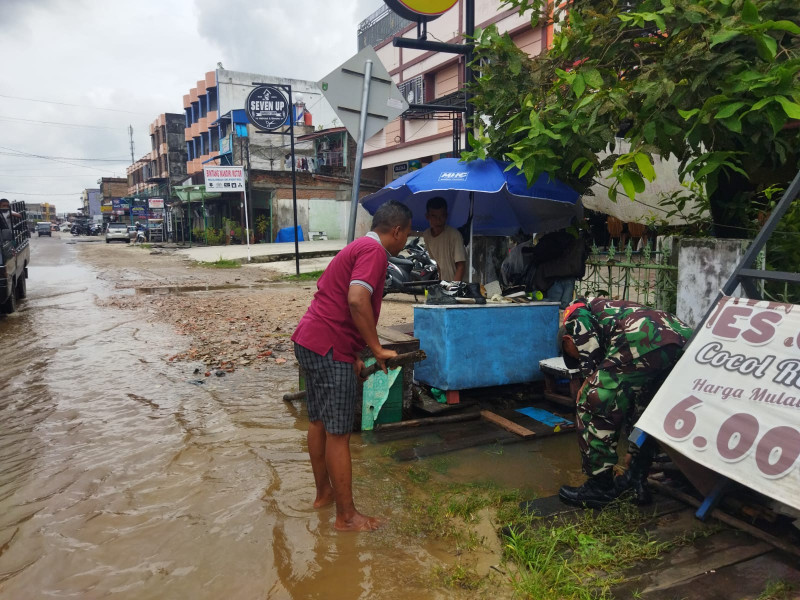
{"x":224,"y":179}
{"x":267,"y":107}
{"x":732,"y":403}
{"x":420,"y":10}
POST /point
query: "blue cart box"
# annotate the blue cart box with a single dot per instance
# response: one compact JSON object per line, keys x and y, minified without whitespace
{"x":471,"y":346}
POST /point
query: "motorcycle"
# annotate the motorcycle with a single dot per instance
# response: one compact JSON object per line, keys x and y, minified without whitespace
{"x":412,"y":273}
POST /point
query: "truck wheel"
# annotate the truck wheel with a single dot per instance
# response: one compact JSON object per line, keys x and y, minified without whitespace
{"x":22,"y":288}
{"x":10,"y":305}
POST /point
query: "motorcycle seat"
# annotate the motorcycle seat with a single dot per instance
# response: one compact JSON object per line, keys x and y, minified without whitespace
{"x":401,"y":262}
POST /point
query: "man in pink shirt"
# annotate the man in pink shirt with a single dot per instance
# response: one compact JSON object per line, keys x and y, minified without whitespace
{"x":329,"y":339}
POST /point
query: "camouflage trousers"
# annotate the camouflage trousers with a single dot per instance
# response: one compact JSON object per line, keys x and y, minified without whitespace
{"x":611,"y":400}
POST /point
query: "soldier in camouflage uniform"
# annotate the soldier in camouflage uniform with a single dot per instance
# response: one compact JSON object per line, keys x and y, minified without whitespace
{"x":624,"y":351}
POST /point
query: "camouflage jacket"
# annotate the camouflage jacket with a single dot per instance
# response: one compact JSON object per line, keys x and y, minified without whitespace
{"x":619,"y":334}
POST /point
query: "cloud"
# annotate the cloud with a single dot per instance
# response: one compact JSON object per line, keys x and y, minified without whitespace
{"x":111,"y":64}
{"x":302,"y":40}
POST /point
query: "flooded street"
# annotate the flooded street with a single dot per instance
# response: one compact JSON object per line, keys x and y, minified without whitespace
{"x":123,"y":473}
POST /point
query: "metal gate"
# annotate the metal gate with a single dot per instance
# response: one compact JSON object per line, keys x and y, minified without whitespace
{"x":647,"y":276}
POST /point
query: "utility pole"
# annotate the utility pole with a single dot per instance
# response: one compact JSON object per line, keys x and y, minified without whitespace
{"x":130,"y":133}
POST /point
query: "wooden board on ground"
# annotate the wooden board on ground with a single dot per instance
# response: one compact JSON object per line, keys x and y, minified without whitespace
{"x":459,"y":436}
{"x":689,"y":562}
{"x":745,"y":580}
{"x":507,"y":424}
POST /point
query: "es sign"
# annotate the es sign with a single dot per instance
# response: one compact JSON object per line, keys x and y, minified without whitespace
{"x":732,"y":403}
{"x":267,"y":107}
{"x":416,"y":10}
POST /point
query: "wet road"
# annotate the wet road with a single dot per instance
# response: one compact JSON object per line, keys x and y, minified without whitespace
{"x":119,"y":476}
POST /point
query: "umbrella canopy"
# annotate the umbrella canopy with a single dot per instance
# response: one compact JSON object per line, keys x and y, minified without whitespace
{"x":502,"y":202}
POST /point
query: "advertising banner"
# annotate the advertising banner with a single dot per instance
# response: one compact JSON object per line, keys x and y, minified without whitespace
{"x":224,"y":179}
{"x":139,"y":208}
{"x":156,"y":203}
{"x":267,"y":108}
{"x":120,"y":206}
{"x":732,"y":403}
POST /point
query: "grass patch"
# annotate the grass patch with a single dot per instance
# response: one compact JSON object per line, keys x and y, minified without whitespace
{"x":310,"y":276}
{"x":581,"y":556}
{"x":449,"y":512}
{"x":778,"y":590}
{"x":458,"y":577}
{"x":221,"y":263}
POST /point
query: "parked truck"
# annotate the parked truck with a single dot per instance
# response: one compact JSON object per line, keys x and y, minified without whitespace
{"x":15,"y":254}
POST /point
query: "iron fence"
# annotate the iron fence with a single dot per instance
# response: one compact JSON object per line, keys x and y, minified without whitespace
{"x":646,"y":276}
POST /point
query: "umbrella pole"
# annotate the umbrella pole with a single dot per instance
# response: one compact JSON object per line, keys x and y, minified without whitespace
{"x":471,"y":241}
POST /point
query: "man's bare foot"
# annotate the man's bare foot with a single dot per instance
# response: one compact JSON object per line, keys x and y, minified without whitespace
{"x":359,"y":522}
{"x":324,"y":498}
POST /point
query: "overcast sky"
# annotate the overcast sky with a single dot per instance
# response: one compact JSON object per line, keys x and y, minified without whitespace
{"x":77,"y":73}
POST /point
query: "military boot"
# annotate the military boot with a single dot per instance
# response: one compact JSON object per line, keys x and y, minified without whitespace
{"x":596,"y":492}
{"x":635,"y":478}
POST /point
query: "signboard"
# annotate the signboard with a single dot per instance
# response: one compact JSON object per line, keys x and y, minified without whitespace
{"x":139,"y":208}
{"x":399,"y":170}
{"x":732,"y":403}
{"x":120,"y":206}
{"x":225,"y":145}
{"x":425,"y":10}
{"x":267,"y":108}
{"x":106,"y":209}
{"x":224,"y":179}
{"x":156,"y":203}
{"x":343,"y":88}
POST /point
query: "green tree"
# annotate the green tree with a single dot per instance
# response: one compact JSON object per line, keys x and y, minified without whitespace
{"x":712,"y":82}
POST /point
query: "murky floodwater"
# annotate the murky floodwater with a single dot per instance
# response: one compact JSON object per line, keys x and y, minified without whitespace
{"x":119,"y":476}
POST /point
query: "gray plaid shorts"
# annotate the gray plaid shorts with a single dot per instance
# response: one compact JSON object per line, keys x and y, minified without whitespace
{"x":331,"y":390}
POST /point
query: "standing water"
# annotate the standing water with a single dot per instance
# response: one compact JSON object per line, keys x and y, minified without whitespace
{"x":123,"y":474}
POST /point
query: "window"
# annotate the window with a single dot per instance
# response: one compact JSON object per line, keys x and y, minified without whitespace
{"x":413,"y":90}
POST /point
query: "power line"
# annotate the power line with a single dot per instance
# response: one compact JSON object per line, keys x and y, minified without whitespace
{"x":68,"y":104}
{"x":33,"y":194}
{"x":23,"y":154}
{"x":59,"y":123}
{"x":57,"y":160}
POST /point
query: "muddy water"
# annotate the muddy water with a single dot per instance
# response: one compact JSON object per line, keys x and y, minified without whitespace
{"x":121,"y":475}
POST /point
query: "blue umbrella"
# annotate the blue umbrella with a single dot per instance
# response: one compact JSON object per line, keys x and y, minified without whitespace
{"x":500,"y":201}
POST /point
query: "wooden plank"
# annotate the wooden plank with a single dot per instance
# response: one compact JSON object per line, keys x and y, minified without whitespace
{"x":743,"y":580}
{"x":506,"y":424}
{"x":427,"y":421}
{"x":717,"y":552}
{"x":393,"y":336}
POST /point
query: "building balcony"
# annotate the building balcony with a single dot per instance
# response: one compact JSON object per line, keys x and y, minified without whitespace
{"x":380,"y":25}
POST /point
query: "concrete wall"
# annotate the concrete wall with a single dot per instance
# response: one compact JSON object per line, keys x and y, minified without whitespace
{"x":319,"y":214}
{"x":704,"y":265}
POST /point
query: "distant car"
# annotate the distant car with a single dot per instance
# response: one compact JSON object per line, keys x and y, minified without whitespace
{"x":117,"y":231}
{"x":43,"y":228}
{"x":65,"y":226}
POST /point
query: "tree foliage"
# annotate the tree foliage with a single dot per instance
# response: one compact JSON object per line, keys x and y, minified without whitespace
{"x":712,"y":82}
